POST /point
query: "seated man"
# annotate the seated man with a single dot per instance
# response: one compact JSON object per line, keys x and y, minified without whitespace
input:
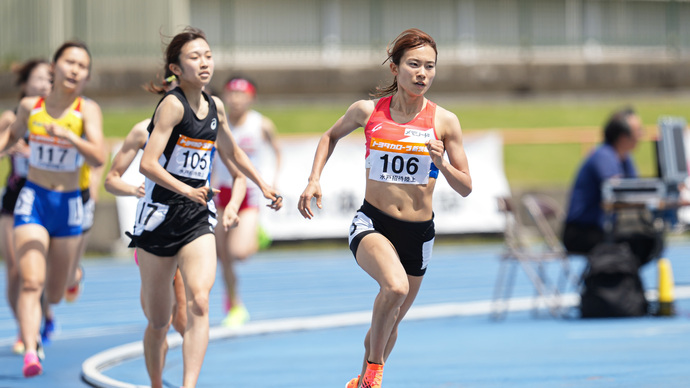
{"x":584,"y":224}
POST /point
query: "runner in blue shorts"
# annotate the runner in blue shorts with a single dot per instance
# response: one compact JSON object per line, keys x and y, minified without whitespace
{"x":65,"y":131}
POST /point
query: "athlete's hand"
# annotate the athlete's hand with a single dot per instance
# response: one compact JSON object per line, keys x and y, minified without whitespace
{"x":276,"y":199}
{"x":141,"y":191}
{"x":21,"y":148}
{"x":56,"y":130}
{"x":202,"y":194}
{"x":313,"y":190}
{"x":230,"y":218}
{"x":436,"y":150}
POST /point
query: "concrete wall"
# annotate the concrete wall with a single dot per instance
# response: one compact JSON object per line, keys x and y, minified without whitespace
{"x":518,"y":78}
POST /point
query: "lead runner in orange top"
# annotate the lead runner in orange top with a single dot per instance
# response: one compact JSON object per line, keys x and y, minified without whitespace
{"x":392,"y":234}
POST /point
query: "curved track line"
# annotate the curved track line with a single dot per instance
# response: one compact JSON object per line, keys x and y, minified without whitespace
{"x":93,"y":367}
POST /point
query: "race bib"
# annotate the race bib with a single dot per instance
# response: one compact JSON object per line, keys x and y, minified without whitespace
{"x":75,"y":215}
{"x":191,"y":158}
{"x":149,"y":216}
{"x":21,"y":165}
{"x":25,"y":202}
{"x":399,"y":162}
{"x":53,"y":154}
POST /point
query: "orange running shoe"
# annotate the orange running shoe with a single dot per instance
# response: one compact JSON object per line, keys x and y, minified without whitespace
{"x":353,"y":383}
{"x":72,"y":293}
{"x":18,"y":347}
{"x":373,"y":376}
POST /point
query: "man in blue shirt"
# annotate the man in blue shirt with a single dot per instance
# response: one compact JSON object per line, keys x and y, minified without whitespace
{"x":584,"y":224}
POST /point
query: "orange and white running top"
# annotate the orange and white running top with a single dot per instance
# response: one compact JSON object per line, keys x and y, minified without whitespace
{"x":49,"y":152}
{"x":397,"y":153}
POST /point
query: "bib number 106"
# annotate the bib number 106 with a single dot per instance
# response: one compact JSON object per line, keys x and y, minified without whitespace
{"x":398,"y":164}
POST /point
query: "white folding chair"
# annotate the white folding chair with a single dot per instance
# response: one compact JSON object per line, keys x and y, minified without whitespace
{"x":519,"y":251}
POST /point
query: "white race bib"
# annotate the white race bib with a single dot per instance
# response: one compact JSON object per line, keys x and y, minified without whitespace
{"x":25,"y":202}
{"x":53,"y":154}
{"x":191,"y":158}
{"x":21,"y":165}
{"x":399,"y":162}
{"x":149,"y":215}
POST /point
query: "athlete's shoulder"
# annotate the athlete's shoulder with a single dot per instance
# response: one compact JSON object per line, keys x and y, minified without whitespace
{"x":446,"y":123}
{"x":7,"y":116}
{"x":445,"y":116}
{"x":172,"y":101}
{"x":28,"y":103}
{"x":170,"y":110}
{"x":218,"y":103}
{"x":139,"y":133}
{"x":364,"y":105}
{"x":360,"y":111}
{"x":216,"y":100}
{"x":89,"y":105}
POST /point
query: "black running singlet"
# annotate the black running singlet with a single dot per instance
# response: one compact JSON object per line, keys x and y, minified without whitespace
{"x":189,"y":151}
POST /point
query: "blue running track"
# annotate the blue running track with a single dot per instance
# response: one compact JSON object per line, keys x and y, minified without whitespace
{"x":310,"y":310}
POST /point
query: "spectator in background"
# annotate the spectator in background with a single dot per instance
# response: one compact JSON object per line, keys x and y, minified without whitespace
{"x":584,"y":224}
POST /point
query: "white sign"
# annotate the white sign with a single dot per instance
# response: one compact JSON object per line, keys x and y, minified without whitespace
{"x":342,"y":184}
{"x":344,"y":178}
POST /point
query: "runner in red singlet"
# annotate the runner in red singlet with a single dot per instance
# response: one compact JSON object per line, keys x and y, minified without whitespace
{"x":392,"y":234}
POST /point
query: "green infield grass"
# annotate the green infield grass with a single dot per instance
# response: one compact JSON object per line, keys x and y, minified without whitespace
{"x":526,"y":165}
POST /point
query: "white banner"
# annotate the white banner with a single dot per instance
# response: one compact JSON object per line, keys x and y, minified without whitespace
{"x":343,"y":180}
{"x":342,"y":183}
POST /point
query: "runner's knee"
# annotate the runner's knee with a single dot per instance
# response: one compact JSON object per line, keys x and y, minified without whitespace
{"x":159,"y":326}
{"x":199,"y":304}
{"x":396,"y":290}
{"x":31,"y":283}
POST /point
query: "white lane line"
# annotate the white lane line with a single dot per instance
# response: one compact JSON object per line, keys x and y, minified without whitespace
{"x":93,"y":367}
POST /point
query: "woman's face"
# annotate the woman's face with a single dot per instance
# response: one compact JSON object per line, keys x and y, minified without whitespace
{"x":71,"y":70}
{"x":38,"y":83}
{"x":237,"y":101}
{"x":196,"y":63}
{"x":416,"y":70}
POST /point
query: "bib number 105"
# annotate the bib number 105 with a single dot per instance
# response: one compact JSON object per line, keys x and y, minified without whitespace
{"x":195,"y":160}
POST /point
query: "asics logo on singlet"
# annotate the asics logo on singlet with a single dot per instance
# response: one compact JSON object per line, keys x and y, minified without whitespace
{"x":417,"y":133}
{"x":214,"y":123}
{"x":377,"y":127}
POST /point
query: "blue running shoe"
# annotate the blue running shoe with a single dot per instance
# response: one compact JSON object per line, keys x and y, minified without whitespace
{"x":47,"y":330}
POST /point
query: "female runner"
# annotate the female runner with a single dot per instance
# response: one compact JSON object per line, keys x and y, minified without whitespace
{"x":392,"y":234}
{"x":251,"y":130}
{"x":65,"y":130}
{"x":33,"y":79}
{"x":175,"y":218}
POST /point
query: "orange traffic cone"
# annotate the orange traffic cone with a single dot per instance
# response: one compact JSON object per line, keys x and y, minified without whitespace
{"x":665,"y":288}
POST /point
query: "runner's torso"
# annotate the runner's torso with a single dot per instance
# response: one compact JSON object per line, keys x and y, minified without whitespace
{"x":54,"y":163}
{"x":189,"y":151}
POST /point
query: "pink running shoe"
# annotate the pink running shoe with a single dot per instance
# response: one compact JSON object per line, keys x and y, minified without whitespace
{"x":32,"y":366}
